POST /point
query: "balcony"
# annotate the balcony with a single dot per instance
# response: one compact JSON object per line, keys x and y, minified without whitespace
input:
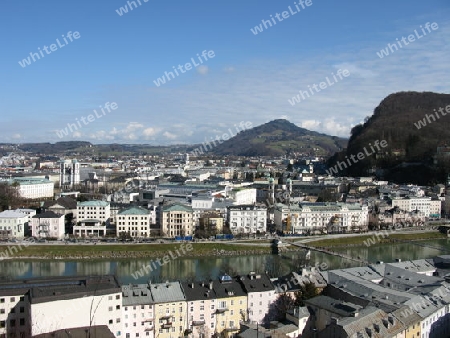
{"x":221,"y":310}
{"x":167,"y":325}
{"x":231,"y":329}
{"x":198,"y":322}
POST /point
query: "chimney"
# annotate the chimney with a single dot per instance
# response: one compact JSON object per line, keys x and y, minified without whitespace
{"x":211,"y":285}
{"x":391,"y":319}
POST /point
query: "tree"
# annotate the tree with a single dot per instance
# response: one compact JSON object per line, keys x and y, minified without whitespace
{"x":10,"y":196}
{"x":307,"y":291}
{"x":278,"y":309}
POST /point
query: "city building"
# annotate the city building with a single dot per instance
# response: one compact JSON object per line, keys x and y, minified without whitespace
{"x":69,"y":174}
{"x":426,"y":205}
{"x":260,"y":295}
{"x":48,"y":225}
{"x":307,"y":218}
{"x":98,"y":210}
{"x":138,"y":311}
{"x":247,"y":219}
{"x":135,"y":221}
{"x":34,"y":188}
{"x":231,"y":305}
{"x":169,"y":309}
{"x":13,"y":224}
{"x":176,"y":220}
{"x":201,"y":308}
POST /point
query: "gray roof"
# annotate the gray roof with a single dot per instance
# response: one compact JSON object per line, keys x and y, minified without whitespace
{"x":167,"y":292}
{"x":340,"y":308}
{"x":139,"y":294}
{"x":46,"y":290}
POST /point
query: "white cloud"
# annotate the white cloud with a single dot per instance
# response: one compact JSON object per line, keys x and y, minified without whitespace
{"x":170,"y":136}
{"x":203,"y":70}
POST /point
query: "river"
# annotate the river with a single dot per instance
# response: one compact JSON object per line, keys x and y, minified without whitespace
{"x":205,"y":268}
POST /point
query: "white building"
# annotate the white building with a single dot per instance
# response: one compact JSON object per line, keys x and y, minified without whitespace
{"x":242,"y":196}
{"x":69,"y":173}
{"x":135,"y":221}
{"x":75,"y":303}
{"x":14,"y":313}
{"x":425,"y":205}
{"x":12,"y":224}
{"x":201,"y":308}
{"x":48,"y":224}
{"x":325,"y":217}
{"x":138,"y":311}
{"x":260,"y":294}
{"x":34,"y":188}
{"x":99,"y":210}
{"x":247,"y":218}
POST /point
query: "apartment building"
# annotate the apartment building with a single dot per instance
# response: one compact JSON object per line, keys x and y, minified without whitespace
{"x":12,"y":224}
{"x":201,"y":308}
{"x":325,"y":217}
{"x":48,"y":224}
{"x":169,"y":309}
{"x":135,"y":221}
{"x":260,"y":294}
{"x":231,"y":305}
{"x":63,"y":303}
{"x":99,"y":210}
{"x":426,"y":205}
{"x":30,"y":308}
{"x":177,"y":220}
{"x":34,"y":188}
{"x":247,"y":219}
{"x":138,"y":315}
{"x":14,"y":312}
{"x":212,"y":221}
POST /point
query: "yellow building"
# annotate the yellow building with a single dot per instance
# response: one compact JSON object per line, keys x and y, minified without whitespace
{"x":231,"y":305}
{"x":211,"y":221}
{"x":411,"y":321}
{"x":169,"y":310}
{"x":177,"y":220}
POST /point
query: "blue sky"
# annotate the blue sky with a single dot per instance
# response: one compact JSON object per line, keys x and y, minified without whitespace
{"x":251,"y":78}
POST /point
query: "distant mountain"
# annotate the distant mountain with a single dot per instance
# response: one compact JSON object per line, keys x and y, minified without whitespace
{"x":53,"y":148}
{"x":412,"y":138}
{"x":277,"y":138}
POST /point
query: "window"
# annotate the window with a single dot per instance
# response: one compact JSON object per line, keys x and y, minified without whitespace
{"x":2,"y":300}
{"x":13,"y":299}
{"x":12,"y":322}
{"x":22,"y":321}
{"x":22,"y":298}
{"x":117,"y":307}
{"x":110,"y":321}
{"x":110,"y":298}
{"x":2,"y":311}
{"x":110,"y":308}
{"x":21,"y":309}
{"x":117,"y":296}
{"x":2,"y":323}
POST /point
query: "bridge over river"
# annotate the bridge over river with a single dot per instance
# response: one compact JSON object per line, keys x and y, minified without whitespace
{"x":330,"y":252}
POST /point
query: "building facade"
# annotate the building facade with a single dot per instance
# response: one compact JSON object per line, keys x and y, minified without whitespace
{"x":48,"y":224}
{"x":177,"y":220}
{"x":135,"y":221}
{"x":247,"y":219}
{"x":12,"y":224}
